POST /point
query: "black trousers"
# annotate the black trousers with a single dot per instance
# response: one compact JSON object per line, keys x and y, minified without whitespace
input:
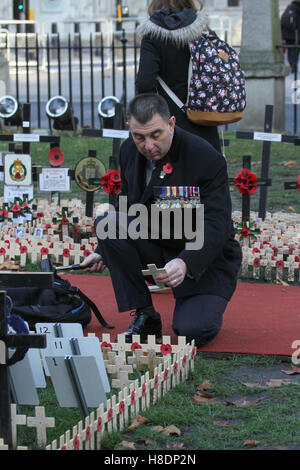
{"x":197,"y":317}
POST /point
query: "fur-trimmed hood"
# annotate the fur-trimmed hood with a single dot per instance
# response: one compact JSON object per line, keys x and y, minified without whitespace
{"x":179,"y":27}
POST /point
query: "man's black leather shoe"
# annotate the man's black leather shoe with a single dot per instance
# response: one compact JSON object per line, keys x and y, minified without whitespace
{"x":143,"y":324}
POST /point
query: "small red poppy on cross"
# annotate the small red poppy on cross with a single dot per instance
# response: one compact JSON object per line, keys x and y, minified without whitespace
{"x":88,"y":433}
{"x":76,"y":442}
{"x":121,"y":407}
{"x":166,"y":349}
{"x":105,"y":345}
{"x":110,"y":414}
{"x":66,"y":253}
{"x":279,"y":264}
{"x":135,"y":346}
{"x":99,"y":425}
{"x":256,"y":262}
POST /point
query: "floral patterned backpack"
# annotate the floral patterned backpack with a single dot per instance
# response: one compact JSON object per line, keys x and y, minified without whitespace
{"x":216,"y":91}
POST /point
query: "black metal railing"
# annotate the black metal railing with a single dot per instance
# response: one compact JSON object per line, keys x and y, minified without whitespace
{"x":82,"y":68}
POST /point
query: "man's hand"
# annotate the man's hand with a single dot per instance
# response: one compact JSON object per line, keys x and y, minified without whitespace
{"x":176,"y":270}
{"x":96,"y":260}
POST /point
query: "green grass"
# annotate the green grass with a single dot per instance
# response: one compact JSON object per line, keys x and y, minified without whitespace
{"x":273,"y":421}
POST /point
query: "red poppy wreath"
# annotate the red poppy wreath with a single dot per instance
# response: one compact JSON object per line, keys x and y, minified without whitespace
{"x":245,"y":181}
{"x":111,"y":182}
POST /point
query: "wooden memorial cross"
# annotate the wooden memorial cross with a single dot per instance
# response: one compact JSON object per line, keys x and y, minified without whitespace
{"x":293,"y":184}
{"x":267,"y":137}
{"x":246,"y":197}
{"x":40,"y":422}
{"x":154,"y":271}
{"x":16,"y":420}
{"x":15,"y":341}
{"x":26,"y":138}
{"x":117,"y":134}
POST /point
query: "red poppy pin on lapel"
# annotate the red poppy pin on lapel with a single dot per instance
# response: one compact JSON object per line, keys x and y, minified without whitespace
{"x":166,"y":170}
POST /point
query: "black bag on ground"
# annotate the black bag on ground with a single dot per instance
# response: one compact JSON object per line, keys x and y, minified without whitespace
{"x":63,"y":303}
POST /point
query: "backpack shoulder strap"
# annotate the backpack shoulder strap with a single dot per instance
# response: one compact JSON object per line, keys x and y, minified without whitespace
{"x":89,"y":302}
{"x":171,"y":94}
{"x":95,"y":309}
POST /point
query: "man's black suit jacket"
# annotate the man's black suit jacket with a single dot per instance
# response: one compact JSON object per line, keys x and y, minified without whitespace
{"x":195,"y":163}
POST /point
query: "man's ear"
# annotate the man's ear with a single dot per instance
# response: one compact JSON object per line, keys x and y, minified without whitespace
{"x":172,"y":122}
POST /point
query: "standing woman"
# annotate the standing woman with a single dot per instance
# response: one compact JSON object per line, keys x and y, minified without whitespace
{"x":172,"y":24}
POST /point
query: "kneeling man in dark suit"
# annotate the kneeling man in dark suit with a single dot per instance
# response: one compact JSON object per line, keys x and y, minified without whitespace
{"x":167,"y":170}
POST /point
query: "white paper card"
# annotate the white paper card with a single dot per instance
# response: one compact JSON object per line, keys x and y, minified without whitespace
{"x":10,"y":192}
{"x":26,"y":138}
{"x":115,"y":134}
{"x":269,"y":137}
{"x":54,"y":179}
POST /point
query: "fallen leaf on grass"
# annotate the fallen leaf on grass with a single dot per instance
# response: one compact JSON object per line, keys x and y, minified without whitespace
{"x":174,"y":445}
{"x":251,"y":443}
{"x":128,"y":445}
{"x":252,"y":385}
{"x":168,"y":431}
{"x":242,"y":402}
{"x":289,"y":164}
{"x":200,"y":398}
{"x":138,"y":420}
{"x":206,"y":385}
{"x":158,"y":428}
{"x":277,"y":382}
{"x":293,"y":371}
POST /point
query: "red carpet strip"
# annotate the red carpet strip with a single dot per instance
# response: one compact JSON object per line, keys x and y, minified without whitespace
{"x":260,"y":319}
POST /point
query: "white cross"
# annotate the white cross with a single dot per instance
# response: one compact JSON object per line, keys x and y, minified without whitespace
{"x":15,"y":421}
{"x":40,"y":422}
{"x":154,"y":271}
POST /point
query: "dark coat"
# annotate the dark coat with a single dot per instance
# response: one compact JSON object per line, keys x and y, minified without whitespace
{"x":165,"y":52}
{"x":291,"y":23}
{"x":195,"y":163}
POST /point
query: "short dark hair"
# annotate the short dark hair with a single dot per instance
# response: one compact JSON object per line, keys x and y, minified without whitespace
{"x":174,"y":4}
{"x":144,"y":106}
